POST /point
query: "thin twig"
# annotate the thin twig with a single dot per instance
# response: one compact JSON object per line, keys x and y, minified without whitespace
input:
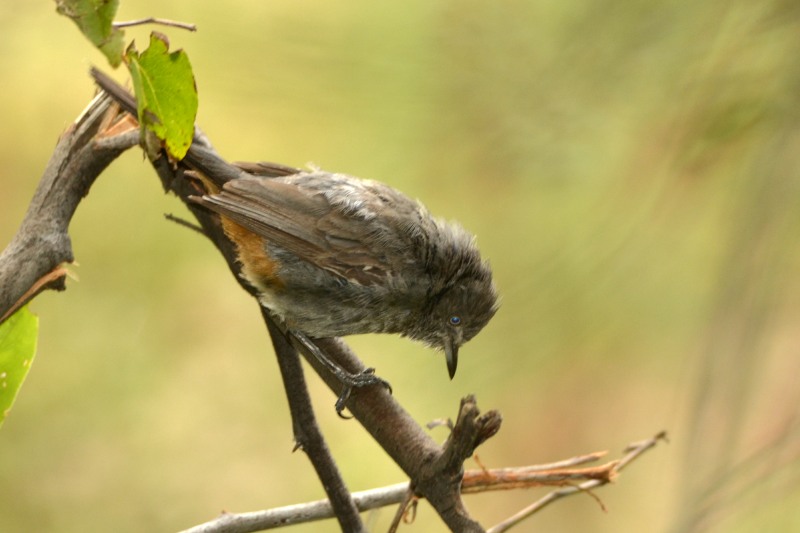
{"x":523,"y":477}
{"x":183,"y":222}
{"x":567,"y":463}
{"x":155,"y":20}
{"x":307,"y":434}
{"x":409,"y":499}
{"x":298,"y":514}
{"x":634,"y":450}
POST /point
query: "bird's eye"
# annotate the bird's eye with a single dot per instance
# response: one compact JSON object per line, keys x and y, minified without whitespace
{"x":455,"y":320}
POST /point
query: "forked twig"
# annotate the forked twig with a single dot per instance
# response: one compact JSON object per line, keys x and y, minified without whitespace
{"x":634,"y":450}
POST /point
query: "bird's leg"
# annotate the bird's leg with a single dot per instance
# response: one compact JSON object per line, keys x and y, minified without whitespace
{"x":349,"y":381}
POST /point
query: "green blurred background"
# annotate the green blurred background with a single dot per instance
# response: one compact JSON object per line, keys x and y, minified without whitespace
{"x":630,"y":169}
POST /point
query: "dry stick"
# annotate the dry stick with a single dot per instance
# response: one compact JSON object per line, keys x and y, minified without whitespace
{"x":153,"y":20}
{"x":633,"y":450}
{"x":298,"y":514}
{"x":475,"y":481}
{"x":33,"y":259}
{"x":408,"y":499}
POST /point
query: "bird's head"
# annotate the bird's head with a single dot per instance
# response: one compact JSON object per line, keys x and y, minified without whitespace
{"x":462,"y":302}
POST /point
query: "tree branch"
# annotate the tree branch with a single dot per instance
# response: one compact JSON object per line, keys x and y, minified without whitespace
{"x":33,"y":259}
{"x":475,"y":481}
{"x":307,"y":434}
{"x":634,"y":450}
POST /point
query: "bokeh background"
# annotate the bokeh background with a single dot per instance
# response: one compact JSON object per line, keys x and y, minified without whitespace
{"x":630,"y":169}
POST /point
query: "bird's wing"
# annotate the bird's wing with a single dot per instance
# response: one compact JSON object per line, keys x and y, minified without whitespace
{"x":303,"y":222}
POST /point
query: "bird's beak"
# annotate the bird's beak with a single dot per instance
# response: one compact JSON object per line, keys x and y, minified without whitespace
{"x":451,"y":354}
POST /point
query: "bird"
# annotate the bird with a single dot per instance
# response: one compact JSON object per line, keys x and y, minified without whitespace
{"x":332,"y":255}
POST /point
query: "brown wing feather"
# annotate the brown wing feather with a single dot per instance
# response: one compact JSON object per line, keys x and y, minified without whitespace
{"x":301,"y":222}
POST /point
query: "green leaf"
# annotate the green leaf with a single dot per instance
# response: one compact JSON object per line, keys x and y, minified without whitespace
{"x":95,"y":18}
{"x":166,"y":93}
{"x":18,"y":337}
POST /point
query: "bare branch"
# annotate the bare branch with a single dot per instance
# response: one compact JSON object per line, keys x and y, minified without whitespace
{"x":33,"y":259}
{"x":634,"y":450}
{"x":475,"y":481}
{"x":307,"y":434}
{"x":298,"y":514}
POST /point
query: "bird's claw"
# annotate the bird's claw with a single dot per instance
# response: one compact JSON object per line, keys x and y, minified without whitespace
{"x":365,"y":378}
